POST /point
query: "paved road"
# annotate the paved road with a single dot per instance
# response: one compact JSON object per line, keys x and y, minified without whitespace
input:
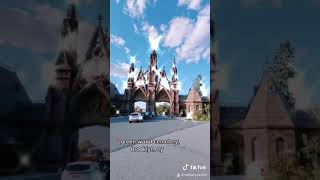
{"x":52,"y":176}
{"x":121,"y":129}
{"x":194,"y":149}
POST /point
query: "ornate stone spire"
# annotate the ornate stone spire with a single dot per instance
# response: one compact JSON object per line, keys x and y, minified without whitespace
{"x":131,"y":69}
{"x":70,"y":22}
{"x":130,"y":81}
{"x":97,"y":47}
{"x":65,"y":66}
{"x":174,"y":71}
{"x":140,"y":74}
{"x":163,"y":72}
{"x":153,"y":58}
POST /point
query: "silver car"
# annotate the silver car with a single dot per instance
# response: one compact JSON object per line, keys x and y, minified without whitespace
{"x":135,"y":117}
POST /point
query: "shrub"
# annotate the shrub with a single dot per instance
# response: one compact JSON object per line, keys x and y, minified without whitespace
{"x":303,"y":165}
{"x":200,"y":116}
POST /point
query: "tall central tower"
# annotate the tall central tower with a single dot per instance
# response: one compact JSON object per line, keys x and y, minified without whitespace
{"x":60,"y":145}
{"x":153,"y":80}
{"x":174,"y":107}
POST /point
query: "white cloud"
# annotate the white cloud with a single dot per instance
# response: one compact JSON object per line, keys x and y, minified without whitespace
{"x":163,"y":27}
{"x":153,"y":36}
{"x":302,"y":93}
{"x":198,"y":40}
{"x":39,"y":27}
{"x":135,"y":27}
{"x":179,"y":85}
{"x":120,"y":42}
{"x":178,"y":30}
{"x":124,"y":84}
{"x":133,"y":59}
{"x":206,"y":54}
{"x":135,"y":8}
{"x":192,"y":4}
{"x":48,"y":74}
{"x":117,"y":40}
{"x":119,"y":70}
{"x":204,"y":90}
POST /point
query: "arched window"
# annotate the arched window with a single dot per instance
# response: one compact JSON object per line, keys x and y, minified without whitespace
{"x":253,"y":148}
{"x":279,"y":145}
{"x":197,"y":107}
{"x":189,"y":108}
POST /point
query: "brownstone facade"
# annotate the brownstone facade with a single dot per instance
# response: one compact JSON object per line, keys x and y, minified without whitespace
{"x":252,"y":137}
{"x":194,"y":102}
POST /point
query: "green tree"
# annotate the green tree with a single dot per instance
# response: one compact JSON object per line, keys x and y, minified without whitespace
{"x":162,"y":108}
{"x":286,"y":168}
{"x":197,"y":84}
{"x":303,"y":165}
{"x":282,"y":69}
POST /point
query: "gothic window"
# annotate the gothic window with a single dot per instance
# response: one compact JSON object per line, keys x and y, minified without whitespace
{"x":279,"y":145}
{"x":253,"y":148}
{"x":197,"y":107}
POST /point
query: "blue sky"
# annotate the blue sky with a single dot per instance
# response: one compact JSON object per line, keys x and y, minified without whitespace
{"x":248,"y":31}
{"x":30,"y":33}
{"x":175,"y":28}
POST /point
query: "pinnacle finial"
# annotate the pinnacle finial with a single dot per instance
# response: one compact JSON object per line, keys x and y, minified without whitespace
{"x":100,"y":12}
{"x":71,"y":13}
{"x":100,"y":18}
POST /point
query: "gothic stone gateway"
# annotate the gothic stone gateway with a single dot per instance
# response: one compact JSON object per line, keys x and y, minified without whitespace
{"x":152,"y":86}
{"x":79,"y":96}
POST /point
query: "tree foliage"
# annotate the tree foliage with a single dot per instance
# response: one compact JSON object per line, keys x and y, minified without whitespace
{"x":197,"y":83}
{"x":202,"y":114}
{"x":282,"y":69}
{"x":304,"y":165}
{"x":162,"y":108}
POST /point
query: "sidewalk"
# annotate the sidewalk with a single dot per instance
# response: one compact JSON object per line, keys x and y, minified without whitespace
{"x":194,"y":150}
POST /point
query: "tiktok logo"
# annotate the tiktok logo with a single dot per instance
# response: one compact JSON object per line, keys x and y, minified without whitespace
{"x":185,"y":167}
{"x":193,"y":167}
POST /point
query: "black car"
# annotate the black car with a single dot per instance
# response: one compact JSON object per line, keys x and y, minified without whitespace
{"x":144,"y":115}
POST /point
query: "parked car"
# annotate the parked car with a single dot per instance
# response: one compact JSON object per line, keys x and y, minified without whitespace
{"x":135,"y":117}
{"x":148,"y":114}
{"x":83,"y":170}
{"x":143,"y":114}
